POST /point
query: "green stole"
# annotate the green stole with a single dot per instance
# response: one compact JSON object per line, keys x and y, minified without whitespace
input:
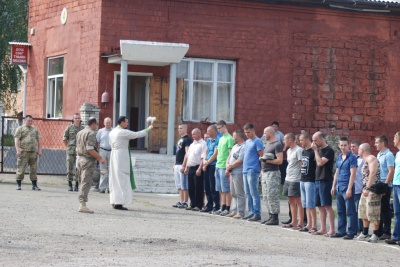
{"x":132,"y":177}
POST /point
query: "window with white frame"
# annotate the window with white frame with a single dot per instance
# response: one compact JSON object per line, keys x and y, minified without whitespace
{"x":55,"y":76}
{"x":209,"y":89}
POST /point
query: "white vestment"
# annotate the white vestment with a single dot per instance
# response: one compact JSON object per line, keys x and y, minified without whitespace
{"x":119,"y":176}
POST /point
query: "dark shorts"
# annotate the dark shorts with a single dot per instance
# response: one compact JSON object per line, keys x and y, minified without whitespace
{"x":323,"y":196}
{"x":291,"y":189}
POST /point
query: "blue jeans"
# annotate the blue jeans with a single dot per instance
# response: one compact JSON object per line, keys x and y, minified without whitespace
{"x":396,"y":207}
{"x":346,"y":207}
{"x":250,"y":180}
{"x":357,"y":202}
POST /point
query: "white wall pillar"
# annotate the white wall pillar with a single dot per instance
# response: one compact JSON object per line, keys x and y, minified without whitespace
{"x":123,"y":91}
{"x":171,"y":109}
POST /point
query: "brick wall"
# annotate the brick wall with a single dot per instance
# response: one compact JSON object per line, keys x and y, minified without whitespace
{"x":305,"y":67}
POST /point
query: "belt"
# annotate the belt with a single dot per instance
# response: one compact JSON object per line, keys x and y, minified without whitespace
{"x":105,"y":149}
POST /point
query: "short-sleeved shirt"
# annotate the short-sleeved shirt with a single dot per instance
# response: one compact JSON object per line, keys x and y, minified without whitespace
{"x":396,"y":178}
{"x":237,"y":153}
{"x":251,"y":161}
{"x":86,"y":140}
{"x":212,"y":144}
{"x":386,"y":159}
{"x":325,"y":172}
{"x":183,"y":142}
{"x":343,"y":168}
{"x":358,"y":183}
{"x":102,"y":138}
{"x":224,"y":145}
{"x":195,"y":152}
{"x":280,"y":137}
{"x":293,"y":169}
{"x":274,"y":147}
{"x":70,"y":136}
{"x":308,"y":165}
{"x":28,"y":137}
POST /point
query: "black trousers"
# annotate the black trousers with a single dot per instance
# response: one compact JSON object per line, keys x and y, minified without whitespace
{"x":386,"y":216}
{"x":196,"y":188}
{"x":209,"y":186}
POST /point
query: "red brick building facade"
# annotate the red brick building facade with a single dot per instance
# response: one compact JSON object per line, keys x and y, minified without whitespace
{"x":304,"y":66}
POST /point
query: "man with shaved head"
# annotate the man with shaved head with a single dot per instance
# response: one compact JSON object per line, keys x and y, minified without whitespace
{"x":271,"y":175}
{"x":193,"y":165}
{"x":369,"y":208}
{"x":324,"y":156}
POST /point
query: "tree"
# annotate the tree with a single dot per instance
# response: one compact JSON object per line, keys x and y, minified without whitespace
{"x":13,"y":27}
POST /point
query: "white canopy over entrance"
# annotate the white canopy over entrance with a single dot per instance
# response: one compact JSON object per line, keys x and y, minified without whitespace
{"x":151,"y":54}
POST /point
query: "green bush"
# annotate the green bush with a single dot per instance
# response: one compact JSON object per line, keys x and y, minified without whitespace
{"x":9,"y":140}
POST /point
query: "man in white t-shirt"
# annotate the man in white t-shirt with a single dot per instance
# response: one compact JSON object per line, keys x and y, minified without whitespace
{"x":291,"y":188}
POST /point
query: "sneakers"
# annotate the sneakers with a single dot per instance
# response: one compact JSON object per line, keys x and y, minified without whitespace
{"x":177,"y":205}
{"x":337,"y":235}
{"x":230,"y":215}
{"x":237,"y":216}
{"x":103,"y":191}
{"x":195,"y":209}
{"x":384,"y":237}
{"x":362,"y":237}
{"x":255,"y":218}
{"x":217,"y":212}
{"x":224,"y":213}
{"x":391,"y":241}
{"x":94,"y":189}
{"x":206,"y":209}
{"x":373,"y":239}
{"x":183,"y":206}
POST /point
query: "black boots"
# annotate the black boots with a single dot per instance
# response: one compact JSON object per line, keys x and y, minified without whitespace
{"x":34,"y":186}
{"x":70,"y":186}
{"x":76,"y":187}
{"x":18,"y":184}
{"x":273,"y":220}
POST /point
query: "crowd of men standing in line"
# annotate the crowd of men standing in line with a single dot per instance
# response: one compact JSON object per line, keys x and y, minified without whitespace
{"x":220,"y":173}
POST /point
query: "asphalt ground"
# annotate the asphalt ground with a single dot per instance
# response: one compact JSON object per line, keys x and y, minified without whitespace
{"x":44,"y":228}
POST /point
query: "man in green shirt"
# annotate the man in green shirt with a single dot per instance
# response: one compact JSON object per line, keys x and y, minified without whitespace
{"x":225,"y":145}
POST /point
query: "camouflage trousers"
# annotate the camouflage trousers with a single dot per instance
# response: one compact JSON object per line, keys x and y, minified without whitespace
{"x":71,"y":167}
{"x":84,"y":174}
{"x":29,"y":158}
{"x":271,"y":184}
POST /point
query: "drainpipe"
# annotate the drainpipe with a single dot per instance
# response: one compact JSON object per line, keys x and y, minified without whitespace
{"x":123,"y":88}
{"x":171,"y":109}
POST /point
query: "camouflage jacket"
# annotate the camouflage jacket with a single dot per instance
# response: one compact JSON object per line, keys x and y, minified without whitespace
{"x":86,"y":140}
{"x":333,"y":142}
{"x":70,"y":136}
{"x":28,"y":137}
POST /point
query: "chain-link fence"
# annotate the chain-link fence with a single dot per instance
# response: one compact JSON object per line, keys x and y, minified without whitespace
{"x":53,"y":149}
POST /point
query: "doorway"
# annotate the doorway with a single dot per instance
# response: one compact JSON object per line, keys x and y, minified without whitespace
{"x":137,"y":106}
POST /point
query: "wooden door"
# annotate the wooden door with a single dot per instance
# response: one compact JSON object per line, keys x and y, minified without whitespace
{"x":159,"y":97}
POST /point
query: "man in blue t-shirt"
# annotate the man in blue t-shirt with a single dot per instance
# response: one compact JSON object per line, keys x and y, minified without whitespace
{"x":253,"y":150}
{"x":386,"y":161}
{"x":343,"y":187}
{"x":210,"y":159}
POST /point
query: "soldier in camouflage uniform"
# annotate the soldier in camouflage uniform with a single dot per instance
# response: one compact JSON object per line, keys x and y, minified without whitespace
{"x":69,"y":139}
{"x":86,"y":148}
{"x":26,"y":139}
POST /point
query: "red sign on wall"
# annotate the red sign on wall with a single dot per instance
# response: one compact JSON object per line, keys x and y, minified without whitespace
{"x":19,"y":54}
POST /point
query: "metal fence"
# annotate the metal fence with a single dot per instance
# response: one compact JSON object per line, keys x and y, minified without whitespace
{"x":53,"y":157}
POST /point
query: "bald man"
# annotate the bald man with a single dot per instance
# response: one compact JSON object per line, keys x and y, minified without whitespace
{"x":105,"y":153}
{"x":369,"y":200}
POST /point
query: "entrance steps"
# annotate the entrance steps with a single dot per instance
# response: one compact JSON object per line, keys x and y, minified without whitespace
{"x":153,"y":172}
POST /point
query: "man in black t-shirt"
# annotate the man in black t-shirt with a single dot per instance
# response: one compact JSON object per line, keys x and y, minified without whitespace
{"x":181,"y":180}
{"x":324,"y":156}
{"x":307,"y":183}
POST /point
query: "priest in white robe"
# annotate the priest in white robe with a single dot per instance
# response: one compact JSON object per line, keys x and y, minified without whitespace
{"x":120,"y":163}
